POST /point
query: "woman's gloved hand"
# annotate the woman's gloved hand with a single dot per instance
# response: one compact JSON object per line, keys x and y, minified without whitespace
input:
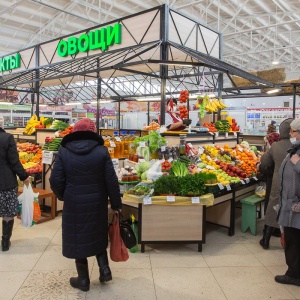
{"x":187,"y":122}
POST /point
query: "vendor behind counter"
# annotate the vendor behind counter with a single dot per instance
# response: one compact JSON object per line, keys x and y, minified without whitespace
{"x":172,"y":119}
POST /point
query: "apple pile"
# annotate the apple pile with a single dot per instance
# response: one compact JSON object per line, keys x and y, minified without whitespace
{"x":231,"y":170}
{"x":28,"y":147}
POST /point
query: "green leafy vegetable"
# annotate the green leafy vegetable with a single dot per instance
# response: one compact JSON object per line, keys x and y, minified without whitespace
{"x":179,"y":169}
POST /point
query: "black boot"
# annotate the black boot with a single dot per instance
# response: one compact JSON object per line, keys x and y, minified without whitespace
{"x":276,"y":232}
{"x":81,"y":282}
{"x":265,"y":241}
{"x":104,"y":269}
{"x":7,"y":228}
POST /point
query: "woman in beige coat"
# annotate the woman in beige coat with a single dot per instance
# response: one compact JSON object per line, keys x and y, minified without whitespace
{"x":273,"y":159}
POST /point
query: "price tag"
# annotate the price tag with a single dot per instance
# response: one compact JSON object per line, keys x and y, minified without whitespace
{"x":222,"y":149}
{"x":142,"y":144}
{"x":247,"y":180}
{"x":141,"y":160}
{"x":170,"y":198}
{"x":235,"y":134}
{"x":118,"y":139}
{"x":190,"y":144}
{"x":115,"y":162}
{"x":170,"y":159}
{"x":242,"y":181}
{"x":209,"y":167}
{"x":220,"y":185}
{"x":226,"y":134}
{"x":208,"y":157}
{"x":240,"y":149}
{"x":163,"y":148}
{"x":200,"y":150}
{"x":47,"y":157}
{"x":195,"y":200}
{"x":112,"y":144}
{"x":228,"y":187}
{"x":147,"y":200}
{"x":255,"y":178}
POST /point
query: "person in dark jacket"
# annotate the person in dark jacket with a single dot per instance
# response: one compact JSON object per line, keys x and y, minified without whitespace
{"x":10,"y":167}
{"x":271,"y":160}
{"x":84,"y":178}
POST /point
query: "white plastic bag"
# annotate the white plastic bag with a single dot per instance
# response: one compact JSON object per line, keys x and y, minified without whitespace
{"x":27,"y":198}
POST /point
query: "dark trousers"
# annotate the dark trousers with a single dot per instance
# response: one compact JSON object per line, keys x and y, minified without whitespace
{"x":292,"y":251}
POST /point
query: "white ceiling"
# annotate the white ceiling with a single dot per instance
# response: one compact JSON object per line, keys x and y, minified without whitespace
{"x":255,"y":32}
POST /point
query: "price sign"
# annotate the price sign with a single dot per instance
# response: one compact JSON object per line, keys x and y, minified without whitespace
{"x":222,"y":149}
{"x":228,"y":187}
{"x":242,"y":181}
{"x":247,"y":180}
{"x":147,"y":200}
{"x":47,"y":157}
{"x":208,"y":157}
{"x":220,"y":185}
{"x":163,"y":148}
{"x":118,"y":139}
{"x":170,"y":198}
{"x":240,"y":149}
{"x":235,"y":134}
{"x":170,"y":159}
{"x":141,"y":160}
{"x":112,"y":144}
{"x":195,"y":200}
{"x":142,"y":144}
{"x":226,"y":134}
{"x":255,"y":178}
{"x":200,"y":150}
{"x":190,"y":144}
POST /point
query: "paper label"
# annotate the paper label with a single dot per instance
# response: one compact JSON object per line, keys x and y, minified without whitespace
{"x":235,"y":134}
{"x":222,"y":149}
{"x":112,"y":144}
{"x":147,"y":200}
{"x":115,"y":162}
{"x":195,"y":200}
{"x":170,"y":198}
{"x":118,"y":139}
{"x":226,"y":134}
{"x":142,"y":144}
{"x":190,"y":144}
{"x":47,"y":157}
{"x":170,"y":159}
{"x":242,"y":181}
{"x":240,"y":149}
{"x":163,"y":148}
{"x":208,"y":157}
{"x":228,"y":187}
{"x":200,"y":150}
{"x":220,"y":185}
{"x":255,"y":178}
{"x":247,"y":180}
{"x":141,"y":160}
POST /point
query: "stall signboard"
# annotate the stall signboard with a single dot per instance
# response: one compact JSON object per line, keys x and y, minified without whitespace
{"x":97,"y":39}
{"x":10,"y":62}
{"x":15,"y":107}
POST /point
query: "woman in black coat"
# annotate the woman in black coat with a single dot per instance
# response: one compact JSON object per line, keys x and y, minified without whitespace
{"x":84,"y":178}
{"x":10,"y":167}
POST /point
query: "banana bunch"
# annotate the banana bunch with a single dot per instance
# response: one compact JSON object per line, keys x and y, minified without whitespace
{"x":29,"y":165}
{"x":30,"y":127}
{"x":214,"y":105}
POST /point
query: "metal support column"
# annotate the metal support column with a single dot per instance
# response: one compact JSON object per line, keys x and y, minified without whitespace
{"x":163,"y":56}
{"x":220,"y":88}
{"x":37,"y":81}
{"x":294,"y":100}
{"x":98,"y":96}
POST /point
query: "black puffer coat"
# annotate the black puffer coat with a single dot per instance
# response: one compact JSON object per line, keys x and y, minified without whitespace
{"x":83,"y":177}
{"x":10,"y":165}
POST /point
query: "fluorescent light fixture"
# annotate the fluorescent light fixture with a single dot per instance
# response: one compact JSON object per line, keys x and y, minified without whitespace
{"x":275,"y":62}
{"x":273,"y":91}
{"x":42,"y":105}
{"x":73,"y":103}
{"x":7,"y":103}
{"x":101,"y":101}
{"x":149,"y":99}
{"x":176,"y":64}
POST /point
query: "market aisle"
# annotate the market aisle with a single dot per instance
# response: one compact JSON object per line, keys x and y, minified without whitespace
{"x":228,"y":268}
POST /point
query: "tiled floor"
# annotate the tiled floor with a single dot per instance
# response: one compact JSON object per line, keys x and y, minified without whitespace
{"x":228,"y":268}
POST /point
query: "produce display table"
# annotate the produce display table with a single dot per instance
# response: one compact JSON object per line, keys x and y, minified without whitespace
{"x":42,"y":195}
{"x":164,"y":224}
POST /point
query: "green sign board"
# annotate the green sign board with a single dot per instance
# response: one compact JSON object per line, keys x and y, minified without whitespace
{"x":15,"y":107}
{"x":97,"y":39}
{"x":10,"y":62}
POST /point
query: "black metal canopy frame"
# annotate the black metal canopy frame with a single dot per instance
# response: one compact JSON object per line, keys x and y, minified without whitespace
{"x":167,"y":52}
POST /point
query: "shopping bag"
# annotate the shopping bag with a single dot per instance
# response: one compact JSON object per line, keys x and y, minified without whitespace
{"x":27,"y":199}
{"x":36,"y":210}
{"x":118,"y":251}
{"x":127,"y":233}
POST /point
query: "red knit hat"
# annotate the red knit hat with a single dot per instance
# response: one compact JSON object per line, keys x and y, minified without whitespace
{"x":85,"y":124}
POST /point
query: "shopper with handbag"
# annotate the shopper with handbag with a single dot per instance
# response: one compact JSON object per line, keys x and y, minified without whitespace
{"x":84,"y":178}
{"x":10,"y":167}
{"x":289,"y":209}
